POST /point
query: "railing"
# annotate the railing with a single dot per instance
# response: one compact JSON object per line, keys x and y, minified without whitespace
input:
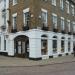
{"x":63,"y":31}
{"x":44,"y":27}
{"x":55,"y":30}
{"x":13,"y":30}
{"x":25,"y":28}
{"x":69,"y":33}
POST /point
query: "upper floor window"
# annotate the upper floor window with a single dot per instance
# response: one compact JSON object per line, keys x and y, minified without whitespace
{"x":68,"y":25}
{"x":72,"y":9}
{"x":67,"y":6}
{"x":73,"y":27}
{"x":54,"y":2}
{"x":62,"y":23}
{"x":14,"y":21}
{"x":26,"y":17}
{"x":61,"y":4}
{"x":54,"y":20}
{"x":14,"y":2}
{"x":44,"y":17}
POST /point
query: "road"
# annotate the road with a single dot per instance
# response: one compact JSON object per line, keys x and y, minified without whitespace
{"x":55,"y":69}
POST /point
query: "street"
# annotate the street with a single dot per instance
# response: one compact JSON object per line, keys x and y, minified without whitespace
{"x":55,"y":69}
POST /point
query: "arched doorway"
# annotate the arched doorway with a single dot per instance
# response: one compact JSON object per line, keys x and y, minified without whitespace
{"x":21,"y":46}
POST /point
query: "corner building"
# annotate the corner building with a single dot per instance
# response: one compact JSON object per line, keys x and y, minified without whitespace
{"x":39,"y":29}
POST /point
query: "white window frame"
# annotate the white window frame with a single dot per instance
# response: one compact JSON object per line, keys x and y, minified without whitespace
{"x":72,"y":10}
{"x":73,"y":26}
{"x":54,"y":20}
{"x":25,"y":11}
{"x":62,"y":23}
{"x":61,"y":4}
{"x":15,"y":2}
{"x":68,"y":24}
{"x":13,"y":16}
{"x":67,"y":6}
{"x":45,"y":11}
{"x":54,"y":2}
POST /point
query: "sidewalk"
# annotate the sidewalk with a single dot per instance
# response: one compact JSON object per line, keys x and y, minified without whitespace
{"x":21,"y":62}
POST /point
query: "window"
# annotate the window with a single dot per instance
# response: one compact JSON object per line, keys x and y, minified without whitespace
{"x":26,"y":18}
{"x":62,"y":23}
{"x":67,"y":6}
{"x":69,"y":44}
{"x":26,"y":15}
{"x":54,"y":2}
{"x":61,"y":4}
{"x":44,"y":45}
{"x":54,"y":44}
{"x":72,"y":9}
{"x":73,"y":27}
{"x":4,"y":44}
{"x":14,"y":2}
{"x":19,"y":47}
{"x":68,"y":25}
{"x":14,"y":22}
{"x":62,"y":44}
{"x":44,"y":17}
{"x":54,"y":20}
{"x":14,"y":17}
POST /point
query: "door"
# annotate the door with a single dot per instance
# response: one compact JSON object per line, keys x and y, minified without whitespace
{"x":21,"y":46}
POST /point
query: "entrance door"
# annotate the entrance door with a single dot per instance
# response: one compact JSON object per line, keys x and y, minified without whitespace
{"x":21,"y":47}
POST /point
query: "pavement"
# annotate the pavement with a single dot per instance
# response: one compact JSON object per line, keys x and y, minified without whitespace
{"x":22,"y":62}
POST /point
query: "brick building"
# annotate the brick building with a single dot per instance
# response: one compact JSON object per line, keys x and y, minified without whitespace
{"x":38,"y":29}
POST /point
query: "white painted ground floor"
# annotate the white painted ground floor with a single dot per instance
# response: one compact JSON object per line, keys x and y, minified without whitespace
{"x":36,"y":44}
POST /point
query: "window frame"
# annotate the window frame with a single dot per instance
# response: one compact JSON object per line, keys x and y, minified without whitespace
{"x":54,"y":2}
{"x":54,"y":21}
{"x":46,"y":17}
{"x":67,"y":6}
{"x":15,"y":2}
{"x":14,"y":24}
{"x":62,"y":23}
{"x":72,"y":10}
{"x":61,"y":4}
{"x":69,"y":25}
{"x":25,"y":11}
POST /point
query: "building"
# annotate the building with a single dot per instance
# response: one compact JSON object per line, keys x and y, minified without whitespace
{"x":38,"y":29}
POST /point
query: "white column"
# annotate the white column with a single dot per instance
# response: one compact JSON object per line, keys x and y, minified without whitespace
{"x":11,"y":48}
{"x":50,"y":52}
{"x":66,"y":46}
{"x":35,"y":47}
{"x":71,"y":47}
{"x":2,"y":43}
{"x":59,"y":45}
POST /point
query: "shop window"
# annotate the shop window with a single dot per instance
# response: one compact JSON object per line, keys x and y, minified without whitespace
{"x":44,"y":45}
{"x":62,"y":44}
{"x":69,"y":44}
{"x":54,"y":44}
